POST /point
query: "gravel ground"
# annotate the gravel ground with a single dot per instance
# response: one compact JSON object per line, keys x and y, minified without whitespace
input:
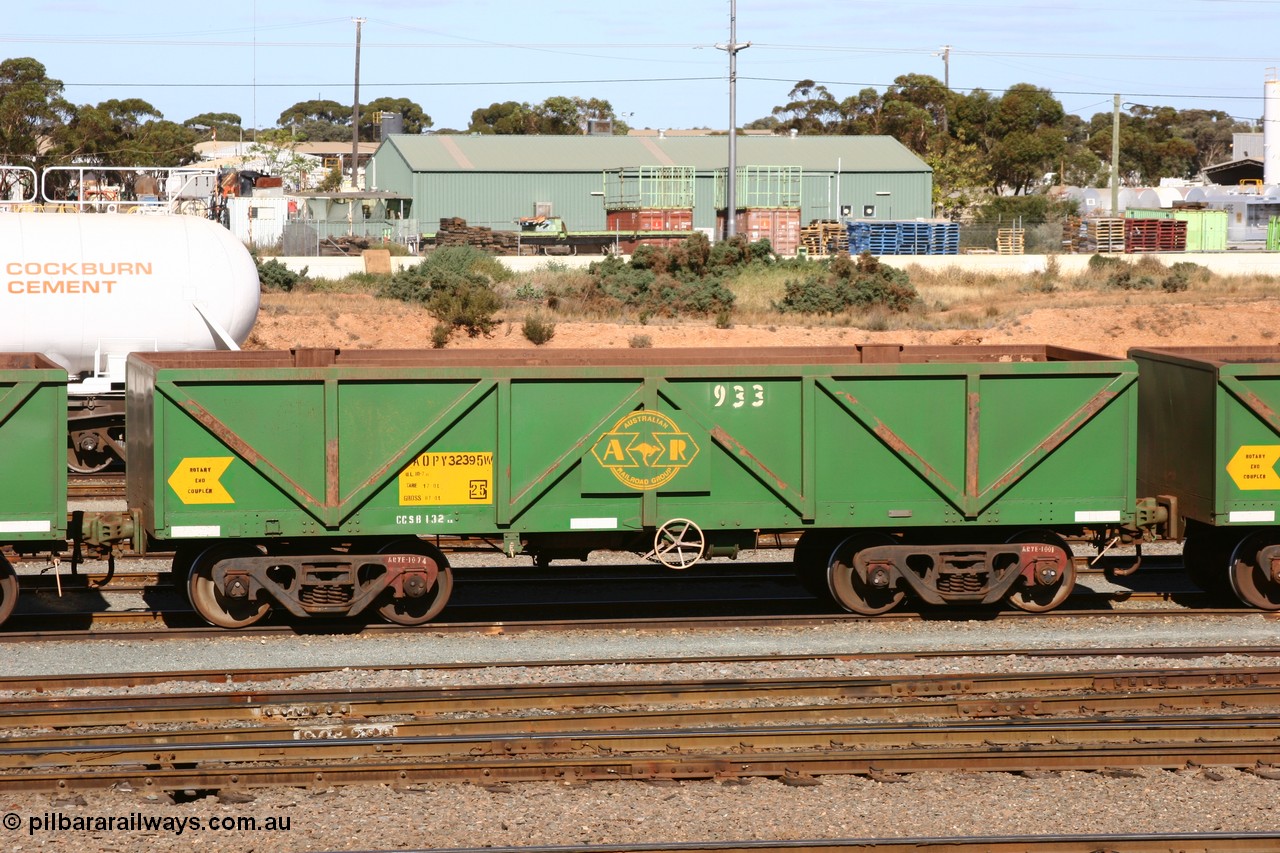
{"x":458,"y":815}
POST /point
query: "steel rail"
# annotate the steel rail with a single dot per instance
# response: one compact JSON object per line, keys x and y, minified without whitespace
{"x":43,"y":683}
{"x":1108,"y":691}
{"x":1183,"y":842}
{"x":397,"y":761}
{"x":346,"y":723}
{"x":178,"y":624}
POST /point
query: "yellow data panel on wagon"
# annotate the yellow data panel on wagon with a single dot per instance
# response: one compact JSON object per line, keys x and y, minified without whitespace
{"x":198,"y":480}
{"x":1254,"y":467}
{"x":447,"y":479}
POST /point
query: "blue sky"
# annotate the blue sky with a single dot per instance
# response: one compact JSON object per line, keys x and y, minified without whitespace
{"x":654,"y":60}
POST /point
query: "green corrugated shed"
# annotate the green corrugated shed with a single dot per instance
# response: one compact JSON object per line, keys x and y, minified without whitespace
{"x":493,"y":180}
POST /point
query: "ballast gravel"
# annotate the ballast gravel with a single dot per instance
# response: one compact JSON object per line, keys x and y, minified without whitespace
{"x":465,"y":815}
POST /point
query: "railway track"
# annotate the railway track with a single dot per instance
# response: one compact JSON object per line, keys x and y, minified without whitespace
{"x":793,"y":730}
{"x":1183,"y":842}
{"x":88,"y":487}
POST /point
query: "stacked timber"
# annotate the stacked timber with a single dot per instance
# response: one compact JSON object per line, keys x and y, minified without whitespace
{"x":344,"y":245}
{"x":454,"y":231}
{"x":1104,"y":235}
{"x":824,"y":237}
{"x":1155,"y":235}
{"x":1011,"y":241}
{"x":1072,"y":234}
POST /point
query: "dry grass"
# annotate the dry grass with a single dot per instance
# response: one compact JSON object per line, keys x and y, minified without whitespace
{"x":949,"y":300}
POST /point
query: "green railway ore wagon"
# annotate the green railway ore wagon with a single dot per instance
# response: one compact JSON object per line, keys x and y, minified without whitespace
{"x":307,"y":478}
{"x":33,"y":461}
{"x":1210,"y":429}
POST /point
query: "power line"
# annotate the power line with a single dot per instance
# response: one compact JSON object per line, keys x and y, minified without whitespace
{"x":399,"y":84}
{"x":1055,"y":92}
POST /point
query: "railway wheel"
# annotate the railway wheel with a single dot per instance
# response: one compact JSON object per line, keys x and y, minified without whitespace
{"x":852,"y":592}
{"x":213,"y":604}
{"x":421,"y":609}
{"x":8,"y":589}
{"x":1041,"y":598}
{"x":1254,"y":579}
{"x":94,"y":449}
{"x":809,"y":560}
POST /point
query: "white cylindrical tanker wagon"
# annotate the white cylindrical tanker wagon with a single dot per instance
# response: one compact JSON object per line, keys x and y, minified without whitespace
{"x":88,"y":289}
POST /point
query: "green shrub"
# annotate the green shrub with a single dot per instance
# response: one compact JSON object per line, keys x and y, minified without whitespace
{"x":273,"y":275}
{"x":456,"y":285}
{"x":467,"y":305}
{"x":1192,"y":272}
{"x":847,"y":284}
{"x":648,"y":286}
{"x":440,"y":335}
{"x":529,"y":292}
{"x":538,"y":330}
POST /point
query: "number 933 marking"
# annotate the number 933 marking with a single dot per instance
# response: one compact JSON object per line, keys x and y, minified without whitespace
{"x":738,"y":396}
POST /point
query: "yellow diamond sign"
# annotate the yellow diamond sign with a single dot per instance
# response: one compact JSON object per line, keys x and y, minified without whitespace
{"x":1253,"y":467}
{"x":196,"y":480}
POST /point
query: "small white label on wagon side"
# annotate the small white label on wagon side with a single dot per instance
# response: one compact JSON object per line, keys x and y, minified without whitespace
{"x":196,"y":531}
{"x":1097,"y":515}
{"x":593,"y":524}
{"x":1252,"y":515}
{"x":26,"y":526}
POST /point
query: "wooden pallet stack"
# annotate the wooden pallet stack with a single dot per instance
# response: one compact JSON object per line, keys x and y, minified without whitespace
{"x":1155,"y":235}
{"x":1072,"y":235}
{"x":1011,"y":241}
{"x":1105,"y":234}
{"x":454,"y":231}
{"x":824,"y":237}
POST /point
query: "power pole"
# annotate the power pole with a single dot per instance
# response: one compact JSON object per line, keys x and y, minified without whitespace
{"x":731,"y":190}
{"x":355,"y":112}
{"x":1115,"y":158}
{"x":946,"y":80}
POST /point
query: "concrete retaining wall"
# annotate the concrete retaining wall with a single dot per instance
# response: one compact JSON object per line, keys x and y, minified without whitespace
{"x":1222,"y":263}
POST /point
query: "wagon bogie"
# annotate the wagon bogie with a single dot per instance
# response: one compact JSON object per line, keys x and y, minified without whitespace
{"x":233,"y":584}
{"x":871,"y":572}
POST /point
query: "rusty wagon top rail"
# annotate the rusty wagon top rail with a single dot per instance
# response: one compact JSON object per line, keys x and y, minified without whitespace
{"x":692,"y":356}
{"x":1216,"y":356}
{"x":26,"y":361}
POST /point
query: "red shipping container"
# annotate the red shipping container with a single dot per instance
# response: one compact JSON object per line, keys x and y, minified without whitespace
{"x":655,"y":219}
{"x":780,"y":226}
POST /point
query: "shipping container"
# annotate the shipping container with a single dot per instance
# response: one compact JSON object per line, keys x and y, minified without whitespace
{"x":1206,"y":229}
{"x":649,"y":220}
{"x":781,"y":227}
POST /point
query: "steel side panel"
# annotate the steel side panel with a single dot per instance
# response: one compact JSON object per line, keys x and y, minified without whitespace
{"x":1199,"y":407}
{"x":734,"y":446}
{"x":33,"y":449}
{"x":1014,"y":444}
{"x":1249,"y":399}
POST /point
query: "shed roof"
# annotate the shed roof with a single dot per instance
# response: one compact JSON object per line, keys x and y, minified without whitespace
{"x":1234,"y":171}
{"x":492,"y":153}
